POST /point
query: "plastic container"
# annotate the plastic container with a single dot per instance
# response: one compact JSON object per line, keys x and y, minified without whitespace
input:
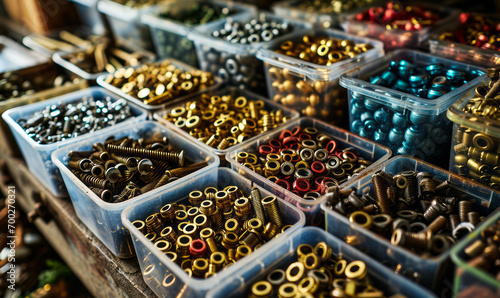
{"x":469,"y":280}
{"x":283,"y":254}
{"x":125,"y":24}
{"x":236,"y":63}
{"x":399,"y":38}
{"x":473,"y":135}
{"x":49,"y":71}
{"x":416,"y":126}
{"x":344,"y":139}
{"x":14,"y":56}
{"x":170,"y":36}
{"x":430,"y":272}
{"x":103,"y":218}
{"x":235,"y":93}
{"x":167,"y":279}
{"x":37,"y":156}
{"x":101,"y":80}
{"x":87,"y":11}
{"x":62,"y":59}
{"x":462,"y":52}
{"x":316,"y":91}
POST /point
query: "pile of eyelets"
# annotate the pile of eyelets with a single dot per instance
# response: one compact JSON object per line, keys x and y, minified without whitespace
{"x":304,"y":161}
{"x":475,"y":30}
{"x":216,"y":228}
{"x":411,"y":209}
{"x":317,"y":273}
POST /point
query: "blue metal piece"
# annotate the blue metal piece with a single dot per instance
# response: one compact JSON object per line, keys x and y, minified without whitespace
{"x":366,"y":133}
{"x":356,"y":109}
{"x":388,"y":78}
{"x":414,"y":136}
{"x":382,"y":115}
{"x":419,"y":78}
{"x":356,"y":126}
{"x":380,"y":136}
{"x":419,"y":119}
{"x":371,"y":105}
{"x":399,"y":120}
{"x":433,"y":94}
{"x":396,"y":135}
{"x":435,"y":69}
{"x":366,"y":116}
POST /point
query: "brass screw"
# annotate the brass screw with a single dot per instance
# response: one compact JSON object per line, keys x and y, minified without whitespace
{"x":177,"y":158}
{"x":272,"y":209}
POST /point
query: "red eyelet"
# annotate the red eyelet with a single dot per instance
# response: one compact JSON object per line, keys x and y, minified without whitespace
{"x":303,"y":136}
{"x":348,"y":155}
{"x":197,"y":248}
{"x":315,"y":187}
{"x":318,"y":168}
{"x":296,"y":130}
{"x":290,"y":140}
{"x":330,"y":147}
{"x":301,"y":185}
{"x":326,"y":183}
{"x":275,"y":143}
{"x":283,"y":183}
{"x":296,"y":158}
{"x":265,"y":150}
{"x":284,"y":134}
{"x":295,"y":146}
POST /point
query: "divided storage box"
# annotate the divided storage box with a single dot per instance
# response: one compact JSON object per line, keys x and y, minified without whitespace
{"x":315,"y":90}
{"x":344,"y":139}
{"x":170,"y":36}
{"x":103,"y":218}
{"x":475,"y":143}
{"x":236,"y":63}
{"x":235,"y":93}
{"x":462,"y":52}
{"x":410,"y":125}
{"x":431,"y":272}
{"x":37,"y":156}
{"x":168,"y":279}
{"x":470,"y":280}
{"x":101,"y":80}
{"x":49,"y":71}
{"x":87,"y":11}
{"x":239,"y":285}
{"x":399,"y":38}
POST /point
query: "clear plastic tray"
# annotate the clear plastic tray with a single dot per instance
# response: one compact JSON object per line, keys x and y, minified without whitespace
{"x":103,"y":218}
{"x":430,"y":272}
{"x":471,"y":281}
{"x":37,"y":156}
{"x":213,"y":53}
{"x":31,"y":42}
{"x":281,"y":255}
{"x":87,"y":11}
{"x":168,"y":35}
{"x":320,"y":81}
{"x":61,"y":58}
{"x":125,"y":24}
{"x":488,"y":141}
{"x":14,"y":56}
{"x":462,"y":52}
{"x":235,"y":92}
{"x":344,"y":139}
{"x":412,"y":111}
{"x":167,"y":279}
{"x":399,"y":38}
{"x":49,"y":70}
{"x":101,"y":80}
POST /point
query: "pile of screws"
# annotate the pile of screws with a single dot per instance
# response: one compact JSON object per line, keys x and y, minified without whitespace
{"x":410,"y":209}
{"x":216,"y":229}
{"x":475,"y":30}
{"x":224,"y":121}
{"x":304,"y":161}
{"x":317,"y":273}
{"x":476,"y":153}
{"x":64,"y":121}
{"x":67,"y":41}
{"x":121,"y":169}
{"x":198,"y":13}
{"x":157,"y":83}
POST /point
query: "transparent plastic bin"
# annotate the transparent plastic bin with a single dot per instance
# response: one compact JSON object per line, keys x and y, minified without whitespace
{"x":288,"y":9}
{"x":431,"y":272}
{"x":101,"y":80}
{"x":282,"y":255}
{"x":416,"y":126}
{"x":235,"y":93}
{"x":320,"y":96}
{"x":170,"y":36}
{"x":469,"y":280}
{"x":166,"y":278}
{"x":103,"y":218}
{"x":236,"y":63}
{"x":344,"y":139}
{"x":50,"y":71}
{"x":37,"y":156}
{"x":125,"y":24}
{"x":62,"y":59}
{"x":399,"y":38}
{"x":87,"y":11}
{"x":462,"y":52}
{"x":481,"y":140}
{"x":15,"y":56}
{"x":31,"y":41}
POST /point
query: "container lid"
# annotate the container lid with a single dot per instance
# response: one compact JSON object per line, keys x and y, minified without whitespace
{"x":355,"y":80}
{"x":315,"y":71}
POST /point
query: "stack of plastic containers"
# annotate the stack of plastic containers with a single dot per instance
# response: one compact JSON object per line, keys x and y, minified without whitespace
{"x":103,"y":218}
{"x":409,"y":124}
{"x":168,"y":279}
{"x":170,"y":36}
{"x":314,"y":89}
{"x":428,"y":271}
